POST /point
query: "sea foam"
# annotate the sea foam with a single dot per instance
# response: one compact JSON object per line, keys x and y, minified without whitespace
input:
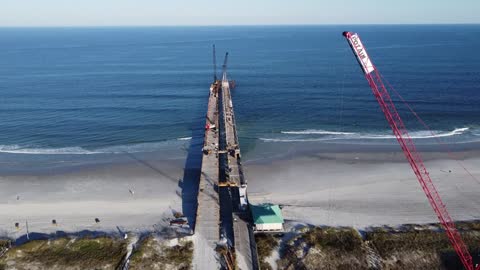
{"x":312,"y":135}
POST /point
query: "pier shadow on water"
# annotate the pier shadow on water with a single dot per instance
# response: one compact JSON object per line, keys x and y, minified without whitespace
{"x":191,"y":174}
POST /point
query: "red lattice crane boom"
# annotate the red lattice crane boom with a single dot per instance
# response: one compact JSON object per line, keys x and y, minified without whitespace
{"x":393,"y":118}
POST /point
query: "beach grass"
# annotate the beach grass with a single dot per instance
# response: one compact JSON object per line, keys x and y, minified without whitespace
{"x":468,"y":225}
{"x":409,"y":246}
{"x":416,"y":247}
{"x":324,"y":248}
{"x":266,"y":243}
{"x":4,"y":243}
{"x":67,"y":253}
{"x":151,"y":253}
{"x":388,"y":242}
{"x":342,"y":239}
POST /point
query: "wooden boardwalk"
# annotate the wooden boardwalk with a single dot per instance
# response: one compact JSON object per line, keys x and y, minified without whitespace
{"x":225,"y":215}
{"x":243,"y":241}
{"x":207,"y":226}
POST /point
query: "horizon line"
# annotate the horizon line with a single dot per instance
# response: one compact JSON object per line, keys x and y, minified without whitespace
{"x":235,"y":25}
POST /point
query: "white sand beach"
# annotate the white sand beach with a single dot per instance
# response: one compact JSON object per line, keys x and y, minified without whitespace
{"x":342,"y":189}
{"x":362,"y":190}
{"x":124,"y":197}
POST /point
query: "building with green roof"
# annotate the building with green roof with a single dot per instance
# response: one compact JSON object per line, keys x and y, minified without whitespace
{"x":267,"y":217}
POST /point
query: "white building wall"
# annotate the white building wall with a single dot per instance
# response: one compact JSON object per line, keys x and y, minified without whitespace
{"x":243,"y":197}
{"x":269,"y":227}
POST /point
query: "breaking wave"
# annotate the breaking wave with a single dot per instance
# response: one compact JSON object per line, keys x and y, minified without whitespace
{"x":312,"y":135}
{"x":16,"y":149}
{"x":293,"y":140}
{"x":116,"y":149}
{"x":464,"y":134}
{"x":422,"y":134}
{"x":316,"y":131}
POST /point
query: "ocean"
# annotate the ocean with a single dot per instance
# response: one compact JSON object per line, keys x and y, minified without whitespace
{"x":108,"y":91}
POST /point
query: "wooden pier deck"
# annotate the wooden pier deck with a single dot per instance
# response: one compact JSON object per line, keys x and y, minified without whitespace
{"x":235,"y":175}
{"x":222,"y":210}
{"x":243,"y":241}
{"x":207,"y":226}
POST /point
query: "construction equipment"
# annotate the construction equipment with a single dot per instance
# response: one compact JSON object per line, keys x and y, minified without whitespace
{"x":225,"y":81}
{"x":224,"y":71}
{"x":214,"y":64}
{"x":227,"y":184}
{"x":179,"y":221}
{"x":393,"y":118}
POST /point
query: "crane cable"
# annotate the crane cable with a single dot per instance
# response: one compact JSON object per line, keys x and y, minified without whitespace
{"x":447,"y":148}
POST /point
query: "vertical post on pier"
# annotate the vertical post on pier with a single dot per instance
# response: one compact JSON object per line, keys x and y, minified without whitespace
{"x":26,"y":225}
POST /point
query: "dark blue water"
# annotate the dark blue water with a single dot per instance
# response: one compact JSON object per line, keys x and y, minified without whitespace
{"x":97,"y":90}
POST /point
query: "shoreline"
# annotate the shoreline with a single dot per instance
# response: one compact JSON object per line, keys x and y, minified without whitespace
{"x":130,"y":197}
{"x":357,"y":189}
{"x":256,"y":152}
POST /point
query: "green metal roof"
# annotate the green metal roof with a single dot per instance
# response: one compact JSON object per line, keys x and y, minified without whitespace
{"x":266,"y":213}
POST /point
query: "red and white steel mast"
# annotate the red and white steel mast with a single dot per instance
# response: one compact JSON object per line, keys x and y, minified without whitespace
{"x":393,"y":118}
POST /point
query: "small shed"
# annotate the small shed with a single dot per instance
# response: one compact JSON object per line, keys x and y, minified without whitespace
{"x":267,"y":217}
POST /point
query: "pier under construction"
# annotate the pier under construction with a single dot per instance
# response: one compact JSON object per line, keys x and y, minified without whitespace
{"x":223,"y":233}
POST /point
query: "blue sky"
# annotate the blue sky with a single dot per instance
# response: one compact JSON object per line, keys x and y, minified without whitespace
{"x":239,"y":12}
